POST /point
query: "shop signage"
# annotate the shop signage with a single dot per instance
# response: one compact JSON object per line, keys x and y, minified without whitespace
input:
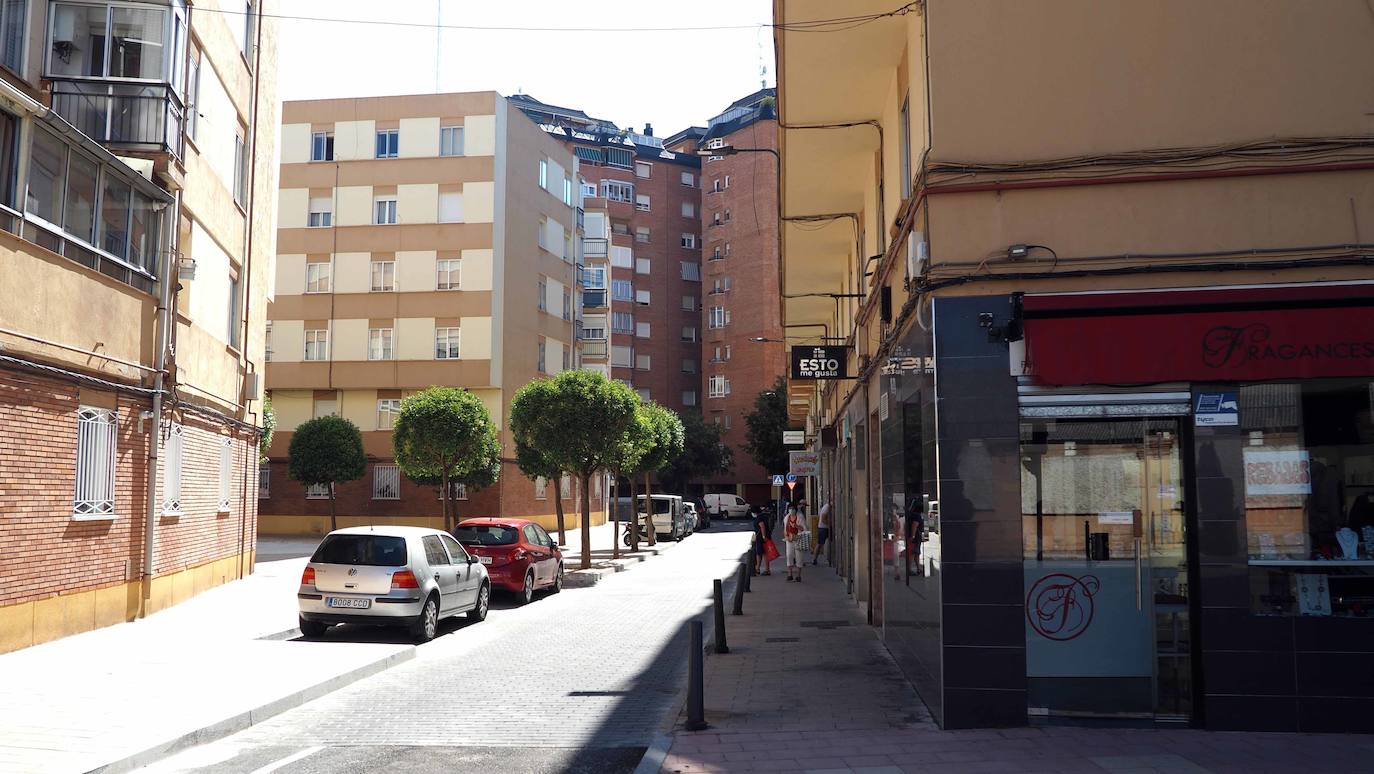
{"x":824,"y":362}
{"x":793,"y":437}
{"x":1223,"y":335}
{"x":1282,"y":472}
{"x":803,"y":463}
{"x":1216,"y":409}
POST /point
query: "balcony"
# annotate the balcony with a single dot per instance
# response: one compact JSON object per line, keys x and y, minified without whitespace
{"x":594,"y":348}
{"x":140,"y":117}
{"x":593,"y":299}
{"x":595,"y":247}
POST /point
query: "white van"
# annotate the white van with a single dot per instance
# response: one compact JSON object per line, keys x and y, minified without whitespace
{"x":670,"y":521}
{"x":726,"y":506}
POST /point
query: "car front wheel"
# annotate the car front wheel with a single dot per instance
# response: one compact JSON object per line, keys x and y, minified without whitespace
{"x":557,"y":581}
{"x":426,"y":627}
{"x":479,"y":611}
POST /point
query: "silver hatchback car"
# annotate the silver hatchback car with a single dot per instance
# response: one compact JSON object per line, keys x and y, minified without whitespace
{"x":391,"y":576}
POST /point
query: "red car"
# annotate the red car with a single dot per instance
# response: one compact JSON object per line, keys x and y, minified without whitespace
{"x":519,"y":555}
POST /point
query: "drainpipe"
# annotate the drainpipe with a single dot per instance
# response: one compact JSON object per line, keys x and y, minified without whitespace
{"x":166,"y":282}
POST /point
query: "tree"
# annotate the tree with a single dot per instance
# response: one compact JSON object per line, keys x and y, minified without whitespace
{"x":702,"y":453}
{"x":326,"y":450}
{"x":575,"y":419}
{"x":627,"y":460}
{"x":763,"y":439}
{"x":536,"y":465}
{"x":269,"y":427}
{"x":445,"y":435}
{"x":665,"y":446}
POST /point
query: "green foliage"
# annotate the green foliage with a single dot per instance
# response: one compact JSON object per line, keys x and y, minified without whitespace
{"x":269,"y":426}
{"x":763,"y":438}
{"x":702,"y":454}
{"x":574,"y":420}
{"x":326,"y":450}
{"x":667,"y":438}
{"x":447,"y":433}
{"x":634,"y":446}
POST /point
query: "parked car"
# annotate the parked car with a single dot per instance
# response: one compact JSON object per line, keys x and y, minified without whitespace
{"x":726,"y":506}
{"x":698,"y":519}
{"x":669,"y":520}
{"x":689,"y":515}
{"x":391,"y":576}
{"x":518,"y":554}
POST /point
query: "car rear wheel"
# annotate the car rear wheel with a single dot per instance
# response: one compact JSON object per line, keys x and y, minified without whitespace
{"x":426,"y":627}
{"x":479,"y":611}
{"x":527,"y":592}
{"x":313,"y":629}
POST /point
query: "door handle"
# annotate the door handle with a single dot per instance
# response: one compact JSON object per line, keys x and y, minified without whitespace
{"x":1139,"y":601}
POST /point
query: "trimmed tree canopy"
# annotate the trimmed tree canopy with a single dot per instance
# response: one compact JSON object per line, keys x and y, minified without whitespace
{"x":326,"y":450}
{"x":446,"y":435}
{"x":702,"y":453}
{"x":573,"y":419}
{"x":763,"y":439}
{"x":667,"y":438}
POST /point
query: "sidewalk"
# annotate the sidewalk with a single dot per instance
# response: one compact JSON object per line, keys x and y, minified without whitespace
{"x":119,"y":697}
{"x":603,"y":544}
{"x":808,"y":687}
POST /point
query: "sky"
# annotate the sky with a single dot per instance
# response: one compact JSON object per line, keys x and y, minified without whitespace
{"x":672,"y":79}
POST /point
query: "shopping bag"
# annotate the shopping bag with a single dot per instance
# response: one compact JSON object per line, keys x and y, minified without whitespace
{"x":804,"y":541}
{"x":770,"y":550}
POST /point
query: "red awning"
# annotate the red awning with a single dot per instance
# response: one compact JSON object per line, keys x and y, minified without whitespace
{"x":1240,"y":334}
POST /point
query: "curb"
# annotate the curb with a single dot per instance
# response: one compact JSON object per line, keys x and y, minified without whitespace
{"x":242,"y":720}
{"x":581,"y":579}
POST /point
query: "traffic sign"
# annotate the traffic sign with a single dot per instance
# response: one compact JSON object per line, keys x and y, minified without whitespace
{"x":777,"y":480}
{"x":791,"y":478}
{"x":791,"y":485}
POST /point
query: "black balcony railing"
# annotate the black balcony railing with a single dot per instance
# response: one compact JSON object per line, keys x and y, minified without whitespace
{"x":593,"y":299}
{"x":135,"y":116}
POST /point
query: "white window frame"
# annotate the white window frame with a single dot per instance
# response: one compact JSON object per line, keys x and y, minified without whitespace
{"x":643,"y":203}
{"x":541,"y":488}
{"x":688,"y":179}
{"x":386,"y":482}
{"x":542,"y":357}
{"x":623,"y":191}
{"x":388,"y":278}
{"x":389,"y":154}
{"x":718,"y":386}
{"x":689,"y":334}
{"x":643,"y":329}
{"x":321,"y":341}
{"x":451,"y":141}
{"x":454,"y":269}
{"x":173,"y":453}
{"x":384,"y":211}
{"x":381,"y":343}
{"x":689,"y":210}
{"x":647,"y":167}
{"x":447,"y":343}
{"x":318,"y":491}
{"x":226,"y":464}
{"x":718,"y":317}
{"x":544,"y":174}
{"x":688,"y":241}
{"x":326,"y":145}
{"x":618,"y":285}
{"x":542,"y":302}
{"x":97,"y":436}
{"x":320,"y":218}
{"x":322,"y":279}
{"x":387,"y":411}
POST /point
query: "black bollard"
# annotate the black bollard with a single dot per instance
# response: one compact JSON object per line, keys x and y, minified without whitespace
{"x":739,"y":592}
{"x":696,"y":703}
{"x":718,"y":600}
{"x":748,"y":568}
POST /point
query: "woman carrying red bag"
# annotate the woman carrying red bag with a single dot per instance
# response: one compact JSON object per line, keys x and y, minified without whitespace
{"x":764,"y":550}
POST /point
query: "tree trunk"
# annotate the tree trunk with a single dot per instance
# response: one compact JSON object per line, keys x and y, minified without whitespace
{"x":333,"y":518}
{"x":649,"y":504}
{"x":586,"y":521}
{"x":634,"y":511}
{"x":444,"y":492}
{"x":558,"y":506}
{"x":614,"y":491}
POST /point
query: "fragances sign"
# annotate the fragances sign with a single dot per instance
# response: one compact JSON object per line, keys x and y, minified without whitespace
{"x":803,"y":463}
{"x":824,"y":362}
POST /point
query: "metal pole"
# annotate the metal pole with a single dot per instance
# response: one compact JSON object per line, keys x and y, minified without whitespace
{"x":739,"y":591}
{"x":696,"y":705}
{"x":718,"y":600}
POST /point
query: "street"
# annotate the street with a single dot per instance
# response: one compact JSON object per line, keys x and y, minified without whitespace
{"x":578,"y":681}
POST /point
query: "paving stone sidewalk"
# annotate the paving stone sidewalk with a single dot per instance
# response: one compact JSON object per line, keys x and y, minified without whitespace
{"x":808,"y":687}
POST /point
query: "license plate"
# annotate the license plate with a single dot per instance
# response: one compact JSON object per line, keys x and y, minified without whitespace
{"x":352,"y":602}
{"x":484,"y":559}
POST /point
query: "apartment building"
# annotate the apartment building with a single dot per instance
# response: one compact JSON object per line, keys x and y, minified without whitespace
{"x":135,"y":252}
{"x":742,"y":343}
{"x":422,"y":240}
{"x":642,"y":252}
{"x":1101,"y":441}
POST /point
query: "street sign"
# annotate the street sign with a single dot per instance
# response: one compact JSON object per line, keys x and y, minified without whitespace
{"x":791,"y":485}
{"x":820,"y":362}
{"x":777,"y":480}
{"x":795,"y":437}
{"x":791,"y":478}
{"x":803,"y":463}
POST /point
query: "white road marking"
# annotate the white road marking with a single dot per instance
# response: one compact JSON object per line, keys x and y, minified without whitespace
{"x":292,"y":758}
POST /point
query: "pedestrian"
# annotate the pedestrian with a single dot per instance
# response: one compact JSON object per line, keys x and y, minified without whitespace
{"x":760,"y":524}
{"x":822,"y":532}
{"x":793,"y":534}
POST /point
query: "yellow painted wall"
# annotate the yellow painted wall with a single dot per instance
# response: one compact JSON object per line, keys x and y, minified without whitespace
{"x":419,"y":137}
{"x":293,"y":408}
{"x":476,"y":338}
{"x":355,"y":140}
{"x":353,"y":205}
{"x":477,"y":269}
{"x":289,"y":525}
{"x":352,"y":272}
{"x":288,"y":341}
{"x":415,"y":270}
{"x":295,"y":143}
{"x":417,"y":203}
{"x":290,"y":275}
{"x":415,"y":338}
{"x":479,"y":136}
{"x":348,"y":340}
{"x":479,"y":202}
{"x":360,"y":408}
{"x":293,"y":204}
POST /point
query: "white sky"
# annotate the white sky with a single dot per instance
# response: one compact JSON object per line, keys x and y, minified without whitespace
{"x":670,"y":79}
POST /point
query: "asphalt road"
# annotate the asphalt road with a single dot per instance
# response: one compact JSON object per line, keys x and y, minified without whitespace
{"x":580,"y":681}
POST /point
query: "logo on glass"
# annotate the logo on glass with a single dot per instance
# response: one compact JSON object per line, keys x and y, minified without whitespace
{"x":1060,"y":607}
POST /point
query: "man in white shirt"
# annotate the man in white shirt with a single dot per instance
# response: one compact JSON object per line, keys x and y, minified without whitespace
{"x":822,"y":533}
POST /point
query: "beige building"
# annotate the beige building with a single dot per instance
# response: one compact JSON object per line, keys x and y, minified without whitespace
{"x":422,"y":240}
{"x":135,"y":258}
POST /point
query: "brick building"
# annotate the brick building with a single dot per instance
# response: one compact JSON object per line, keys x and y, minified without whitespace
{"x":140,"y":246}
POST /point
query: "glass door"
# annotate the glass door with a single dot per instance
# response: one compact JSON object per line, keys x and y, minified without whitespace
{"x":1105,"y":568}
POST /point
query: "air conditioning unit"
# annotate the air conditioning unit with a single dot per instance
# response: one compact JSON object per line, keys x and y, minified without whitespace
{"x":251,"y":386}
{"x":917,"y":254}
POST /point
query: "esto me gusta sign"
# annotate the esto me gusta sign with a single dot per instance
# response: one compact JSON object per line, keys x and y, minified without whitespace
{"x":820,"y":362}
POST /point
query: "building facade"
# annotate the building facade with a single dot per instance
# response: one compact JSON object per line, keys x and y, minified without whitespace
{"x":422,"y":240}
{"x":1104,"y":445}
{"x":136,"y":248}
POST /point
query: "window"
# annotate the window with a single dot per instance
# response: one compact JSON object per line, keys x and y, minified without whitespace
{"x":95,"y":463}
{"x":643,"y":266}
{"x":727,"y":248}
{"x":594,"y":277}
{"x":642,"y":362}
{"x":447,"y":271}
{"x":622,"y":290}
{"x":643,"y":169}
{"x":388,"y":143}
{"x":727,"y":214}
{"x":567,"y":304}
{"x":643,"y":393}
{"x":716,"y":254}
{"x":622,"y":322}
{"x":542,"y":234}
{"x":318,"y":491}
{"x":267,"y":349}
{"x":689,"y":333}
{"x":721,"y":285}
{"x":689,"y":241}
{"x":616,"y":191}
{"x":566,"y":353}
{"x":689,"y":366}
{"x":226,"y":454}
{"x":450,"y":207}
{"x":642,"y":234}
{"x":594,"y":332}
{"x":446,"y":343}
{"x":642,"y":297}
{"x":642,"y":202}
{"x":689,"y":303}
{"x":388,"y":409}
{"x":450,"y":141}
{"x":540,"y":488}
{"x":386,"y":484}
{"x":459,"y":491}
{"x":568,"y":191}
{"x":722,"y":354}
{"x":544,"y":173}
{"x":727,"y":181}
{"x":233,"y":318}
{"x":622,"y":357}
{"x":80,"y":32}
{"x":905,"y":129}
{"x":171,"y":468}
{"x":12,"y":34}
{"x":240,"y":169}
{"x":689,"y":210}
{"x":568,"y":252}
{"x":384,"y":212}
{"x":719,"y":317}
{"x":643,"y":329}
{"x":564,"y":488}
{"x":543,"y":291}
{"x":317,"y":345}
{"x":716,"y":219}
{"x":322,"y":146}
{"x":715,"y":184}
{"x":383,"y":276}
{"x":691,"y":271}
{"x":455,"y":550}
{"x":541,"y":360}
{"x":264,"y":482}
{"x":688,"y":179}
{"x":321,"y":213}
{"x":325,"y":407}
{"x":689,"y":397}
{"x":317,"y":277}
{"x":718,"y":387}
{"x":193,"y":94}
{"x":249,"y":22}
{"x":619,"y":157}
{"x":727,"y":421}
{"x":379,"y":344}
